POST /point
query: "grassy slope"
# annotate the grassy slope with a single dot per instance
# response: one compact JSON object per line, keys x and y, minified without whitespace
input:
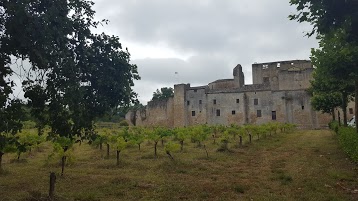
{"x":306,"y":165}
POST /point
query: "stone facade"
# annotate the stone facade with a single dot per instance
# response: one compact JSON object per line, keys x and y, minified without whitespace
{"x":278,"y":93}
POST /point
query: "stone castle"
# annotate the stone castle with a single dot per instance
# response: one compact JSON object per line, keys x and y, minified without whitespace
{"x":278,"y":93}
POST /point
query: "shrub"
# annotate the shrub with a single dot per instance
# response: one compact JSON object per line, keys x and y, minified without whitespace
{"x":123,"y":123}
{"x":334,"y":126}
{"x":348,"y":139}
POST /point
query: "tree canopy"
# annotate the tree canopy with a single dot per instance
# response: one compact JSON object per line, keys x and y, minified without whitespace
{"x":336,"y":23}
{"x":164,"y":93}
{"x":75,"y":74}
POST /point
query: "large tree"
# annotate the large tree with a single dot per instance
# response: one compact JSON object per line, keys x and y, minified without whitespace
{"x":336,"y":23}
{"x":163,"y":93}
{"x":75,"y":75}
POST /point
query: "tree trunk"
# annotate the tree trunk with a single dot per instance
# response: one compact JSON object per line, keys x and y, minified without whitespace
{"x":52,"y":185}
{"x":240,"y":140}
{"x":356,"y":103}
{"x":63,"y":164}
{"x":1,"y":154}
{"x":107,"y":150}
{"x":155,"y":149}
{"x":118,"y":157}
{"x":339,"y":118}
{"x":250,"y":138}
{"x":333,"y":115}
{"x":344,"y":108}
{"x":207,"y":154}
{"x":139,"y":147}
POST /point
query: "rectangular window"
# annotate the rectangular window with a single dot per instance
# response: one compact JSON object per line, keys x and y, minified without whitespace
{"x":266,"y":79}
{"x":237,"y":100}
{"x":302,"y":107}
{"x":195,"y":90}
{"x":193,"y":113}
{"x":233,"y":112}
{"x":258,"y":113}
{"x":218,"y":113}
{"x":187,"y":102}
{"x":200,"y":102}
{"x":350,"y":110}
{"x":256,"y":101}
{"x":214,"y":101}
{"x":273,"y":114}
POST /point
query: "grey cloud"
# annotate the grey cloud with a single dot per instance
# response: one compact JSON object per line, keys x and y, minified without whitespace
{"x":219,"y":35}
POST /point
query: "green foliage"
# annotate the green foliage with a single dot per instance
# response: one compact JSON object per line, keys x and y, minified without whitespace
{"x":348,"y":139}
{"x":336,"y":23}
{"x":163,"y":94}
{"x":326,"y":102}
{"x":123,"y":123}
{"x":328,"y":15}
{"x":120,"y":143}
{"x":75,"y":75}
{"x":7,"y":143}
{"x":334,"y":125}
{"x":200,"y":133}
{"x":171,"y":147}
{"x":137,"y":135}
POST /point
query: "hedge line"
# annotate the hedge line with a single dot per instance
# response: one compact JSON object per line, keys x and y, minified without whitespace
{"x":348,"y":139}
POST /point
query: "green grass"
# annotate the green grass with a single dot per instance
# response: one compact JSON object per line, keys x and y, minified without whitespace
{"x":305,"y":165}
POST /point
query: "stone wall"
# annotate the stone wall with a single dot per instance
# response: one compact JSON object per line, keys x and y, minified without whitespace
{"x":222,"y":84}
{"x":278,"y":94}
{"x":159,"y":112}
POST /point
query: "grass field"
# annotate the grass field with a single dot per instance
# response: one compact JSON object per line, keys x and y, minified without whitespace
{"x":304,"y":165}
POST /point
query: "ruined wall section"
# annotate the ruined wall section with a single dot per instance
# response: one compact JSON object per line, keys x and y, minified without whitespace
{"x":274,"y":73}
{"x":239,"y":77}
{"x":222,"y":84}
{"x":159,"y":112}
{"x":295,"y":79}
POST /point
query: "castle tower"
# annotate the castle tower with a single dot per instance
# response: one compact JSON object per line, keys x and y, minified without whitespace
{"x":180,"y":106}
{"x":239,"y":77}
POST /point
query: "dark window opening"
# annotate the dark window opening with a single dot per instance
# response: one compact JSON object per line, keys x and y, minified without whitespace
{"x":303,"y":107}
{"x":218,"y":113}
{"x":214,"y":101}
{"x":233,"y":112}
{"x":237,"y":100}
{"x":195,"y":90}
{"x":193,"y":113}
{"x":200,"y":102}
{"x":266,"y":80}
{"x":256,"y":101}
{"x":258,"y":113}
{"x":273,"y":115}
{"x":350,"y":110}
{"x":187,"y":102}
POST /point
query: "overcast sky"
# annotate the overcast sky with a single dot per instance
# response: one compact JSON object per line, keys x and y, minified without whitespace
{"x":202,"y":40}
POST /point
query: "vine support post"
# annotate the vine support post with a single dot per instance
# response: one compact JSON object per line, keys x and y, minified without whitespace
{"x":52,"y":185}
